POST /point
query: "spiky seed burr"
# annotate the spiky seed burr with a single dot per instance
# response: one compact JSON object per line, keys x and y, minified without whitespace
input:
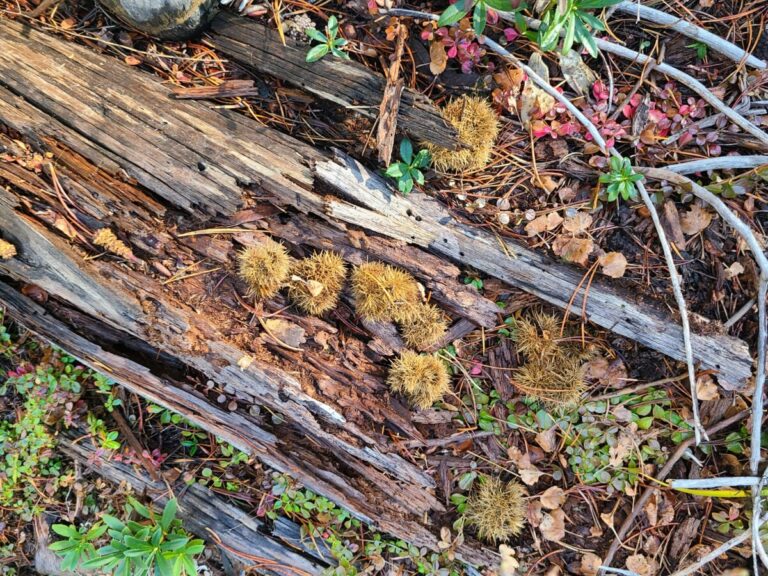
{"x":496,"y":509}
{"x":316,"y":282}
{"x":477,"y":126}
{"x":383,"y":293}
{"x":423,"y":378}
{"x":264,"y":267}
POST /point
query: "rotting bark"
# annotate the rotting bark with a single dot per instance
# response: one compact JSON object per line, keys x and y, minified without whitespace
{"x":205,"y":160}
{"x":345,"y":83}
{"x":203,"y":513}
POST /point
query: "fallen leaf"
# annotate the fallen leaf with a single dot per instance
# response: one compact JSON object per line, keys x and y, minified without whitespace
{"x":613,"y":264}
{"x":651,"y":508}
{"x":552,"y":498}
{"x":132,"y":60}
{"x":531,"y":475}
{"x":671,"y":221}
{"x":608,"y":519}
{"x":695,"y":220}
{"x":533,"y":98}
{"x":543,"y":223}
{"x":641,"y":565}
{"x":287,"y":332}
{"x":63,"y":226}
{"x":623,"y":448}
{"x":438,"y":59}
{"x":547,"y":440}
{"x":733,"y":270}
{"x":578,"y":223}
{"x":68,"y":23}
{"x":579,"y":76}
{"x":590,"y":564}
{"x":706,"y":389}
{"x":553,"y":525}
{"x":509,"y":564}
{"x":576,"y":250}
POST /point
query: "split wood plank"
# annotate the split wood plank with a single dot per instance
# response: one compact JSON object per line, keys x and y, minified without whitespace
{"x":195,"y":157}
{"x":344,"y":82}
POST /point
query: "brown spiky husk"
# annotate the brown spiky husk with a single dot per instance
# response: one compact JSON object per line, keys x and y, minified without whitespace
{"x":496,"y":509}
{"x":384,"y":293}
{"x":7,"y":250}
{"x":424,"y":327}
{"x":478,"y":127}
{"x":423,"y":378}
{"x":111,"y":243}
{"x":264,"y":268}
{"x":327,"y":271}
{"x":553,"y":371}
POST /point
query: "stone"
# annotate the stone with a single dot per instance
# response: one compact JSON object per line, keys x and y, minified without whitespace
{"x":166,"y":19}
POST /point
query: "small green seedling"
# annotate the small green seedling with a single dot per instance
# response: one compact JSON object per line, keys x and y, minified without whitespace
{"x":701,"y":49}
{"x":328,"y":41}
{"x":408,"y":170}
{"x":621,"y":180}
{"x":571,"y":18}
{"x":458,"y":10}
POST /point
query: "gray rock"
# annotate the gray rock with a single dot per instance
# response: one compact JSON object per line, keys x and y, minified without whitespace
{"x":168,"y":19}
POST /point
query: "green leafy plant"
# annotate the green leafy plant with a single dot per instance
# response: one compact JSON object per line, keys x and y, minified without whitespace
{"x":621,"y":180}
{"x":479,"y":9}
{"x":408,"y":170}
{"x":78,"y":544}
{"x":151,"y":545}
{"x":573,"y":19}
{"x":328,"y":42}
{"x":701,"y":49}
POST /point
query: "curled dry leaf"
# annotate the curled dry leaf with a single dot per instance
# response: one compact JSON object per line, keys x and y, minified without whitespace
{"x":641,"y":565}
{"x":576,"y":250}
{"x":579,"y":76}
{"x":590,"y":564}
{"x":578,"y":223}
{"x":547,"y":440}
{"x":612,"y":374}
{"x":733,"y":270}
{"x":613,"y":264}
{"x":706,"y":389}
{"x":543,"y":223}
{"x":534,"y":98}
{"x":695,"y":220}
{"x":553,"y":525}
{"x":438,"y":59}
{"x":509,"y":564}
{"x":553,"y":498}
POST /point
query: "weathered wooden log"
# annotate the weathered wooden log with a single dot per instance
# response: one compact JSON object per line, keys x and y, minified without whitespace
{"x":343,"y":82}
{"x":196,"y":158}
{"x":172,"y":19}
{"x":203,"y":513}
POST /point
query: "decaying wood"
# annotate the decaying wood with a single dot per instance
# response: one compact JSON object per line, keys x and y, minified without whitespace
{"x":203,"y":513}
{"x":345,"y":83}
{"x":201,"y":159}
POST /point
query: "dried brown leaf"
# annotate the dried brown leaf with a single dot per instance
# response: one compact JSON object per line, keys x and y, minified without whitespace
{"x":553,"y":525}
{"x":543,"y":223}
{"x":578,"y":223}
{"x":706,"y":389}
{"x":590,"y":564}
{"x":695,"y":220}
{"x":552,"y":498}
{"x":613,"y":264}
{"x":576,"y":250}
{"x":438,"y":59}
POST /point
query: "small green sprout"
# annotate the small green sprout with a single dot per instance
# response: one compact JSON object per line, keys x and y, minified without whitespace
{"x":458,"y":10}
{"x":701,"y":49}
{"x":408,"y":170}
{"x":571,"y":18}
{"x":328,"y":41}
{"x":621,"y":180}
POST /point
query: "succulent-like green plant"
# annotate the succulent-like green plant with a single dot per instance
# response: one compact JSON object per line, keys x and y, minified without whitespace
{"x":621,"y":180}
{"x":408,"y":170}
{"x":571,"y":17}
{"x":328,"y":42}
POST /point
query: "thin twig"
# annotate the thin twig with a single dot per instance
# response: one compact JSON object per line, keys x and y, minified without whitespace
{"x":719,"y":163}
{"x":713,"y":41}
